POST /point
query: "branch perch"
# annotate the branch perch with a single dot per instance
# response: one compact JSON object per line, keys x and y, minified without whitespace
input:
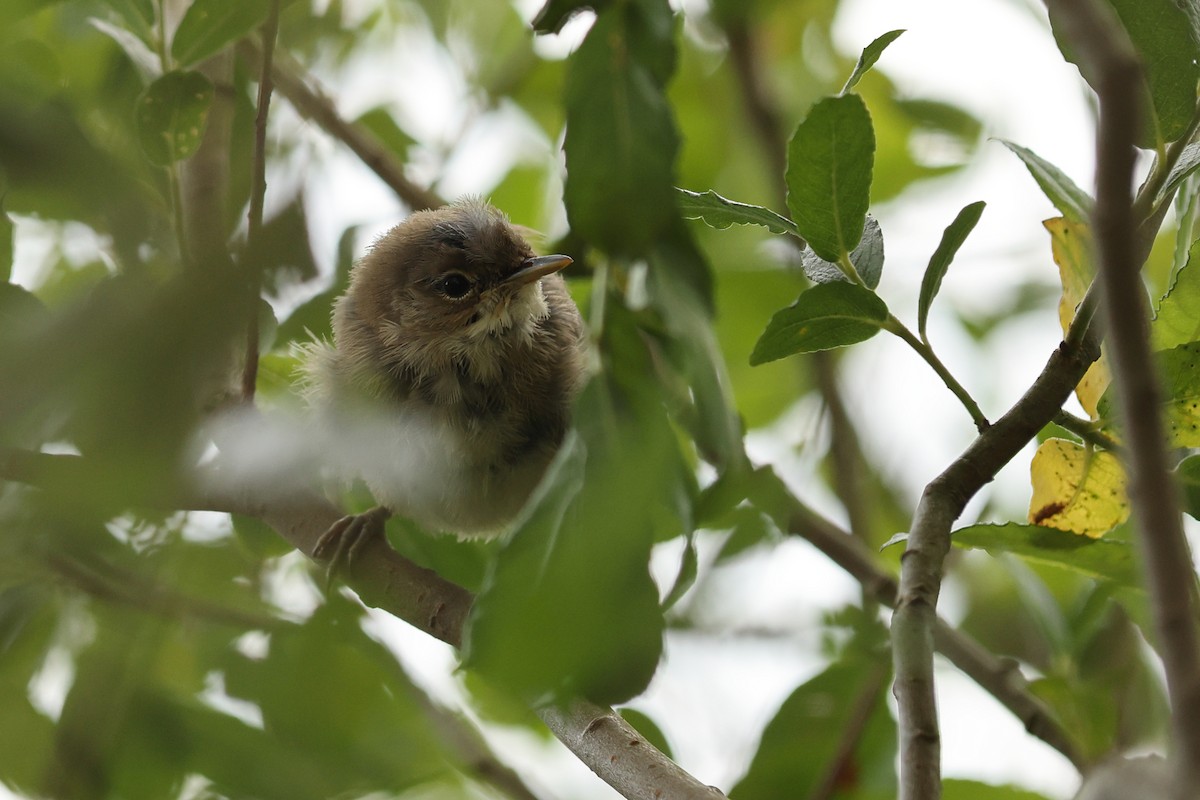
{"x":1107,"y":54}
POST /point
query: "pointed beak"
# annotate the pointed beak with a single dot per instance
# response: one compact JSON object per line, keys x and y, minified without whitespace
{"x":534,"y":268}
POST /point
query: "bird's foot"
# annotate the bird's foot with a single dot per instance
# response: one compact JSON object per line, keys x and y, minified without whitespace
{"x":345,"y":540}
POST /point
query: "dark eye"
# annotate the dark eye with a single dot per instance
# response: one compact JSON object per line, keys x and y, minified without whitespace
{"x":454,"y":285}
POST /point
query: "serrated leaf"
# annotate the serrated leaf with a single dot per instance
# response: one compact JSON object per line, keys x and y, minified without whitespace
{"x":867,"y":259}
{"x":1177,"y":318}
{"x":1071,"y":247}
{"x":1180,"y":371}
{"x":171,"y":115}
{"x":621,"y":140}
{"x":1074,"y":203}
{"x":208,"y":26}
{"x":1077,"y":490}
{"x":952,"y":239}
{"x":823,"y":317}
{"x":719,"y":212}
{"x":830,"y":159}
{"x":870,"y":55}
{"x":1108,"y":559}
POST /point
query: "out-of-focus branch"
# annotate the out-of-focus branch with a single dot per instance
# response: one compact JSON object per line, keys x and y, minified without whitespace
{"x":312,"y":104}
{"x":258,"y":193}
{"x":1105,"y":50}
{"x":384,"y":579}
{"x":998,"y":677}
{"x":204,"y":177}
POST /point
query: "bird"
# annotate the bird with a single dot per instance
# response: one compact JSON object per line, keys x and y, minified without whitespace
{"x":457,"y":354}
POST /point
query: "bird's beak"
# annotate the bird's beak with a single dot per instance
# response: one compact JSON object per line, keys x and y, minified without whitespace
{"x":534,"y":268}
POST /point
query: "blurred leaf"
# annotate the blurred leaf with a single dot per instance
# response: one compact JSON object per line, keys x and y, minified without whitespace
{"x":382,"y":124}
{"x":282,"y":254}
{"x":553,"y":15}
{"x":1077,"y":489}
{"x":6,"y":244}
{"x":1163,"y":37}
{"x":867,"y":259}
{"x":1177,"y":318}
{"x":27,"y":627}
{"x":719,"y":212}
{"x":138,"y":15}
{"x":171,"y":115}
{"x":803,"y":741}
{"x":208,"y":26}
{"x":1071,"y":246}
{"x":1188,"y":473}
{"x":1074,"y":203}
{"x":569,"y":606}
{"x":1180,"y":370}
{"x":870,"y":55}
{"x":957,"y":789}
{"x":952,"y":239}
{"x":621,"y":141}
{"x":312,"y":318}
{"x":826,"y":316}
{"x":145,"y":59}
{"x":1106,"y":559}
{"x":648,"y":728}
{"x":685,"y":578}
{"x":829,"y":175}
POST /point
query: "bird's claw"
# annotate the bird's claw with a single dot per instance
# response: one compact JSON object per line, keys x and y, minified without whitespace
{"x":344,"y":541}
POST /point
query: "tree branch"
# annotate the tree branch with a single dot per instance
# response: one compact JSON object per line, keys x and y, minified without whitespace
{"x":384,"y":579}
{"x":313,"y":105}
{"x":1106,"y":52}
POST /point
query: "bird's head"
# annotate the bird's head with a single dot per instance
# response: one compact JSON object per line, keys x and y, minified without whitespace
{"x":444,"y":284}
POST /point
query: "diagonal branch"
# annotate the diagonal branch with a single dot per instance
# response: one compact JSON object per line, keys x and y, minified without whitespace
{"x":1170,"y":578}
{"x":313,"y":105}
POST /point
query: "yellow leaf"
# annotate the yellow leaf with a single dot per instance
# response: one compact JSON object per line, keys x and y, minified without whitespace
{"x":1076,"y":489}
{"x":1071,"y":246}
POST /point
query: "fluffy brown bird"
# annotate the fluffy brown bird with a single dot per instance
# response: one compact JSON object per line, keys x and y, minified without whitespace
{"x":456,"y":356}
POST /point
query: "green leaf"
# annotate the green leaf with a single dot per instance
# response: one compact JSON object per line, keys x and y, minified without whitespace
{"x":1188,"y":474}
{"x":830,"y":159}
{"x":138,"y":15}
{"x":870,"y":55}
{"x":556,"y":13}
{"x":718,"y":212}
{"x":569,"y":607}
{"x":802,"y":740}
{"x":1107,"y":559}
{"x":1188,"y":161}
{"x":171,"y":115}
{"x":6,"y":244}
{"x":380,"y":122}
{"x":1180,"y":370}
{"x":823,"y":317}
{"x":1177,"y":318}
{"x":648,"y":728}
{"x":1162,"y":35}
{"x":208,"y":26}
{"x":1074,"y":203}
{"x":621,"y":141}
{"x":689,"y":568}
{"x":957,"y":789}
{"x":867,"y":259}
{"x":952,"y":239}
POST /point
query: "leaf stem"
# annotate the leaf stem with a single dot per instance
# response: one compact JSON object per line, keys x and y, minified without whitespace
{"x":1146,"y":205}
{"x":925,"y":351}
{"x":1086,"y":429}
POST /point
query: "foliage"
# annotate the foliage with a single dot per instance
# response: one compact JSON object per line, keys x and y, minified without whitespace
{"x":150,"y":650}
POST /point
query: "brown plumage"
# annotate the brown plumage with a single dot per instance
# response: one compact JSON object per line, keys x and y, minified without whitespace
{"x":456,"y":356}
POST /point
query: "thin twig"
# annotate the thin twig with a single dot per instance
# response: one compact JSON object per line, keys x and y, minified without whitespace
{"x":1087,"y":431}
{"x":258,"y":193}
{"x":1170,"y":577}
{"x":312,"y":104}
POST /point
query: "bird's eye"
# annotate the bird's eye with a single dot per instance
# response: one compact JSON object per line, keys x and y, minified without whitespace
{"x":453,"y":285}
